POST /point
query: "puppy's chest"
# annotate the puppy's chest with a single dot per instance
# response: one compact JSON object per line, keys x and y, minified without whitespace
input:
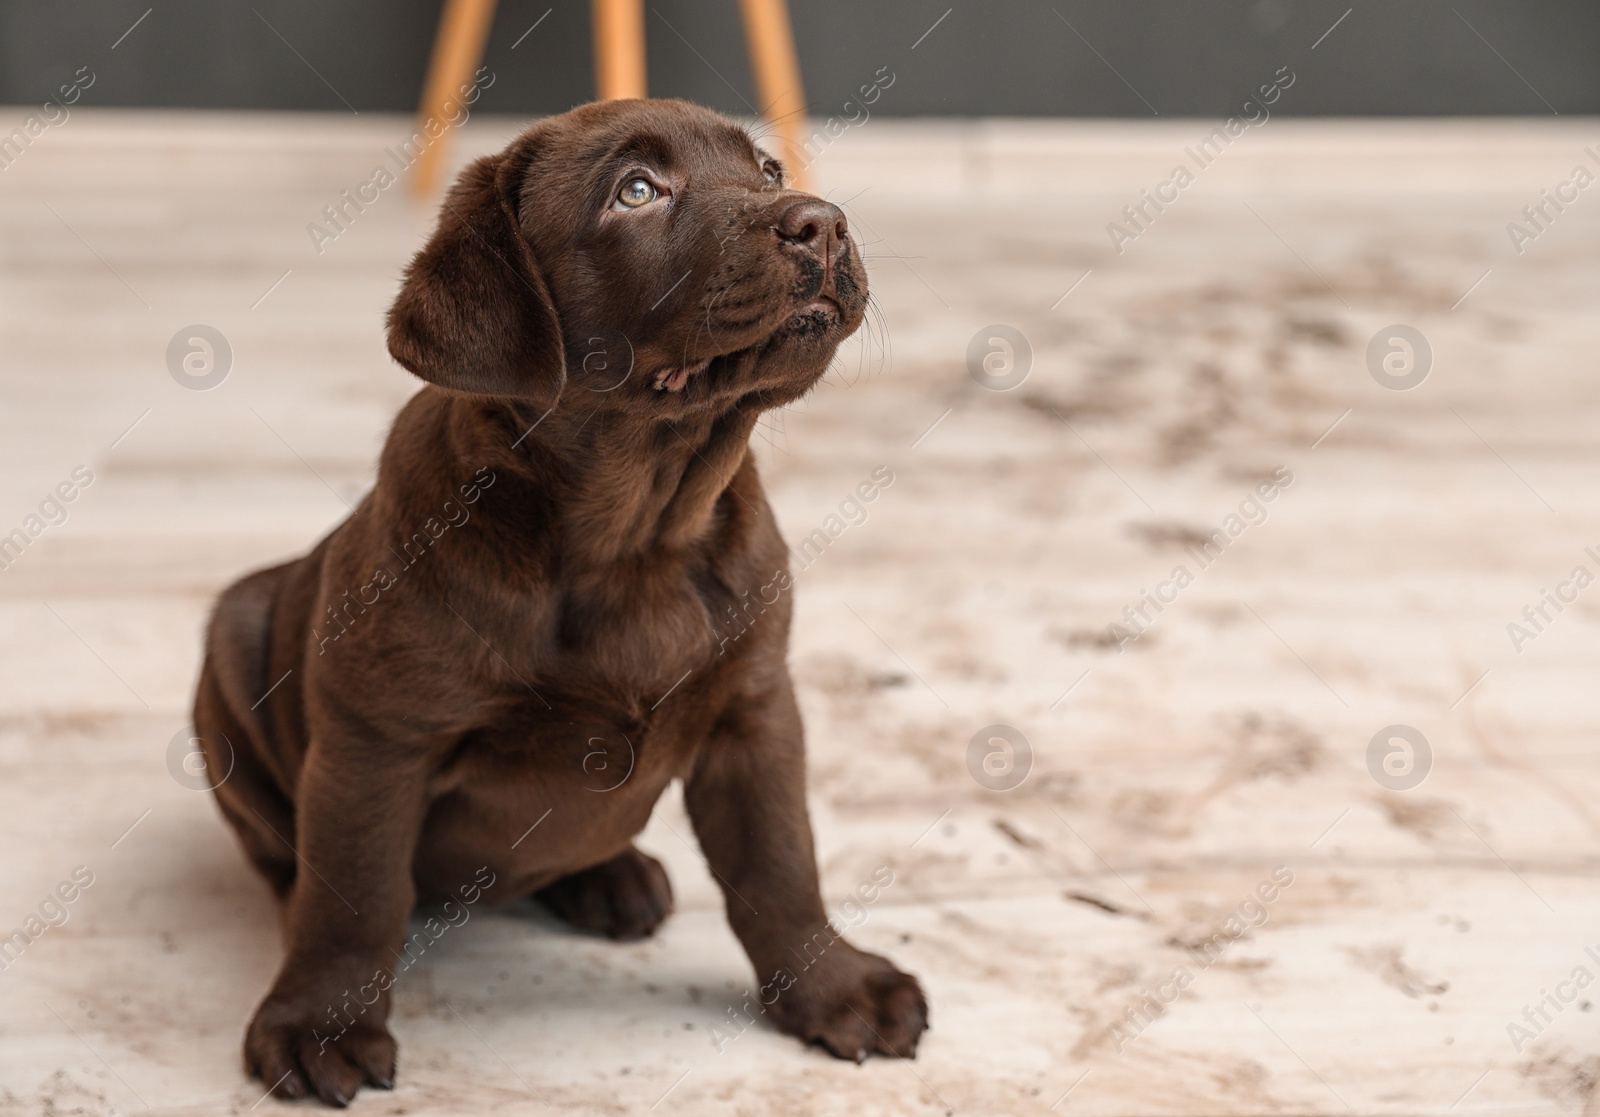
{"x":640,"y":626}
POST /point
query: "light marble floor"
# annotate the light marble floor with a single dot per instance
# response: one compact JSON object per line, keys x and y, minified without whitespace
{"x":1168,"y":781}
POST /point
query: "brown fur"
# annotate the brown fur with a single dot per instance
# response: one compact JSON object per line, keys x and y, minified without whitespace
{"x":531,"y":617}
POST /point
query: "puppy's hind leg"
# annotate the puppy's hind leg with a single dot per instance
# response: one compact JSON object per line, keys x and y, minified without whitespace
{"x":624,"y":898}
{"x":232,"y":737}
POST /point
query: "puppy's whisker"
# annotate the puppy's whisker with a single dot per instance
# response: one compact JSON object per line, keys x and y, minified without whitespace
{"x":875,"y":333}
{"x":711,"y":327}
{"x":885,"y":340}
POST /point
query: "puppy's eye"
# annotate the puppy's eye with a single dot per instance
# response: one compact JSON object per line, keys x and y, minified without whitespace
{"x":772,"y":172}
{"x":636,"y":192}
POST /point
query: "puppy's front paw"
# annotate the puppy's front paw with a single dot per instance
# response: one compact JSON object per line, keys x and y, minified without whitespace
{"x":854,"y":1003}
{"x":295,"y":1051}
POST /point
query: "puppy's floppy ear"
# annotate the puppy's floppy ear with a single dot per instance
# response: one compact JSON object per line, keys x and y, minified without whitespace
{"x":474,"y":313}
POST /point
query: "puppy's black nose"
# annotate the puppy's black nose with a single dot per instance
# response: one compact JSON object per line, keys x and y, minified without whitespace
{"x":815,"y":225}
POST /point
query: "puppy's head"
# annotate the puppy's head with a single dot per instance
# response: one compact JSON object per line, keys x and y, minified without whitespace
{"x":633,"y":254}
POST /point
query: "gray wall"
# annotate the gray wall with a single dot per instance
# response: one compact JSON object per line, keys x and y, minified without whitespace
{"x":1005,"y":57}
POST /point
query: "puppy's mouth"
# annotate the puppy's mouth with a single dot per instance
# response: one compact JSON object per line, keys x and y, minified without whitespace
{"x":815,"y":316}
{"x":822,"y":311}
{"x":673,"y":379}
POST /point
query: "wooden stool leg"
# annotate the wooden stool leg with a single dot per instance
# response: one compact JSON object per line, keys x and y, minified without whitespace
{"x":776,"y":69}
{"x":457,"y":50}
{"x":619,"y":49}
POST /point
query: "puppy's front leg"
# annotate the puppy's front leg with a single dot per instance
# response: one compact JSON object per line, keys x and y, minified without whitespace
{"x":321,"y":1028}
{"x":746,"y":798}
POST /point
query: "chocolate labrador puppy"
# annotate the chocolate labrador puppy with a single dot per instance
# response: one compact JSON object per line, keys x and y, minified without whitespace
{"x":565,"y":591}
